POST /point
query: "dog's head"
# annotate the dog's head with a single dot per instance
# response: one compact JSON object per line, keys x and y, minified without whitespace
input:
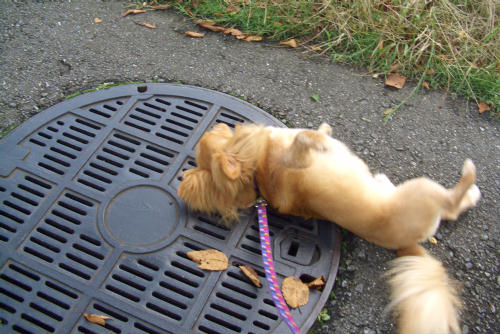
{"x":222,"y":182}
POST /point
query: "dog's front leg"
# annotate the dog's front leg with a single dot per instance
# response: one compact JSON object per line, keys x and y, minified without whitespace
{"x":299,"y":153}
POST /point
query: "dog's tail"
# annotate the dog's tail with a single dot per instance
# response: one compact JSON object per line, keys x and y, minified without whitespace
{"x":424,"y":298}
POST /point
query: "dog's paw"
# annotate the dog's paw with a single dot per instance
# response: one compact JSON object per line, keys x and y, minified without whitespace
{"x":325,"y":128}
{"x":473,"y":195}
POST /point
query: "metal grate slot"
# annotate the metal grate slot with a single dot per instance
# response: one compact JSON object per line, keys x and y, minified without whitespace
{"x":180,"y":278}
{"x":45,"y":311}
{"x":169,"y":300}
{"x":58,"y":226}
{"x":234,"y":301}
{"x":37,"y":322}
{"x":110,"y":312}
{"x":163,"y":311}
{"x":69,"y":145}
{"x":189,"y":111}
{"x":179,"y":124}
{"x":11,"y":217}
{"x":129,"y":282}
{"x":145,"y":329}
{"x":90,"y":252}
{"x":73,"y":270}
{"x":269,"y":315}
{"x":38,"y":254}
{"x":90,"y":240}
{"x":60,"y":289}
{"x":136,"y":272}
{"x":176,"y":289}
{"x":82,"y":131}
{"x":148,"y":265}
{"x":229,"y":312}
{"x":52,"y":235}
{"x":154,"y":106}
{"x":53,"y":300}
{"x":122,"y":293}
{"x":184,"y":118}
{"x":51,"y":168}
{"x":81,"y":261}
{"x":88,"y":124}
{"x":162,"y":101}
{"x":196,"y":105}
{"x":11,"y":295}
{"x":15,"y":282}
{"x":147,"y":113}
{"x":223,"y":323}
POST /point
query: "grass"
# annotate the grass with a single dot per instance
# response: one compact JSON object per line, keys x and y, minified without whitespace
{"x":450,"y":44}
{"x":104,"y":85}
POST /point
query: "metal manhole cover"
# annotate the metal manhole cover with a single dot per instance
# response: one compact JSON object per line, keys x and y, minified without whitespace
{"x":90,"y":222}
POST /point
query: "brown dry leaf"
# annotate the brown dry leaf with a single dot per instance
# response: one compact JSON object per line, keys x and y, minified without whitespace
{"x":232,"y":9}
{"x":251,"y":274}
{"x":218,"y":15}
{"x":387,"y":111}
{"x":147,"y":25}
{"x":380,"y":45}
{"x":395,"y":80}
{"x":318,"y":283}
{"x":232,"y":31}
{"x":96,"y":318}
{"x":209,"y":259}
{"x":133,"y":11}
{"x":252,"y":38}
{"x":433,"y":241}
{"x":426,"y":85}
{"x":210,"y":25}
{"x":291,"y":43}
{"x":482,"y":107}
{"x":316,"y":48}
{"x":395,"y":67}
{"x":194,"y":34}
{"x":97,"y":20}
{"x":204,"y":22}
{"x":295,"y":292}
{"x":160,"y":7}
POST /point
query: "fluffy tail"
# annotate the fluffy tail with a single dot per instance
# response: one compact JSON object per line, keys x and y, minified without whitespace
{"x":423,"y":297}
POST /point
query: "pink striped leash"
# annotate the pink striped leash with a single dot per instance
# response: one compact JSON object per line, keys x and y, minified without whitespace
{"x":267,"y":259}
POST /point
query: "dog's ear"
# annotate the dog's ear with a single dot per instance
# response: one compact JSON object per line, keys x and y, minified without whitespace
{"x":228,"y":163}
{"x":196,"y":189}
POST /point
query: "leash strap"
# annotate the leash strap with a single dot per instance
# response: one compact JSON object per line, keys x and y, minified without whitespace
{"x":267,"y":259}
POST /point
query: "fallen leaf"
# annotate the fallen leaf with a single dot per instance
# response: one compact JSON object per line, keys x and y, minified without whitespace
{"x":291,"y":43}
{"x":295,"y":292}
{"x":232,"y":9}
{"x":251,"y":274}
{"x":426,"y":85}
{"x":97,"y":20}
{"x":133,"y":11}
{"x":210,"y":25}
{"x":194,"y":34}
{"x":482,"y":107}
{"x":252,"y":38}
{"x":380,"y":45}
{"x":96,"y":318}
{"x":209,"y":259}
{"x":232,"y":31}
{"x":318,"y":283}
{"x":387,"y":111}
{"x":160,"y":7}
{"x":315,"y":97}
{"x":376,"y":75}
{"x":147,"y":25}
{"x":204,"y":22}
{"x":395,"y":80}
{"x":433,"y":241}
{"x":219,"y":15}
{"x":316,"y":48}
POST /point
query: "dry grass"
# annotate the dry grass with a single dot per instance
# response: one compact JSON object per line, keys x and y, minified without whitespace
{"x":443,"y":43}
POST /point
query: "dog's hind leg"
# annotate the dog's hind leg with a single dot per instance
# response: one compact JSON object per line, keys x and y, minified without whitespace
{"x":464,"y":195}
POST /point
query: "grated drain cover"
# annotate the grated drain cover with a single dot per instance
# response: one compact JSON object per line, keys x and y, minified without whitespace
{"x":90,"y":223}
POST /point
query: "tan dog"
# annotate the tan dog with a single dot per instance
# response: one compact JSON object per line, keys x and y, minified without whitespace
{"x":307,"y":173}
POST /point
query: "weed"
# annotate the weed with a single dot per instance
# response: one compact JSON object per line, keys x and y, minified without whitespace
{"x":104,"y":85}
{"x":323,"y":315}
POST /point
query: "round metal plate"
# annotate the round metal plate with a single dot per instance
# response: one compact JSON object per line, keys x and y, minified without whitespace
{"x":90,"y":222}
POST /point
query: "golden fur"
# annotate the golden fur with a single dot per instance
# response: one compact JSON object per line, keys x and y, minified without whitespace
{"x":309,"y":174}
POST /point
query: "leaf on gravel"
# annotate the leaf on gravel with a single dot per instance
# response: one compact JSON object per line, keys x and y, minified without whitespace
{"x":147,"y":25}
{"x":209,"y":259}
{"x":433,"y":241}
{"x":388,"y":111}
{"x":251,"y":274}
{"x":482,"y":107}
{"x":316,"y":48}
{"x":295,"y":292}
{"x":426,"y":85}
{"x":194,"y":34}
{"x":318,"y":283}
{"x":97,"y":20}
{"x":232,"y":31}
{"x":133,"y":11}
{"x":96,"y":318}
{"x":395,"y":80}
{"x":252,"y":38}
{"x":160,"y":7}
{"x":291,"y":43}
{"x":209,"y":25}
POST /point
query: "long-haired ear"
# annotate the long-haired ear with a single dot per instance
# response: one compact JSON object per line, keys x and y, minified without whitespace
{"x":228,"y":163}
{"x":196,"y":189}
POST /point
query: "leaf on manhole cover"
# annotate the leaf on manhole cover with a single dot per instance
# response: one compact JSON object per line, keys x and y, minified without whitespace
{"x":482,"y":107}
{"x":133,"y":12}
{"x":251,"y":274}
{"x":96,"y":318}
{"x":291,"y":43}
{"x":395,"y":80}
{"x":194,"y":34}
{"x":209,"y":259}
{"x":318,"y":283}
{"x":295,"y":292}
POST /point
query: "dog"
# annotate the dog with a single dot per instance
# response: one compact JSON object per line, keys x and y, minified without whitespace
{"x":307,"y":173}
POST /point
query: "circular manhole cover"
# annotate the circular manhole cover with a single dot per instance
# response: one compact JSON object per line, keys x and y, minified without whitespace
{"x":90,"y":223}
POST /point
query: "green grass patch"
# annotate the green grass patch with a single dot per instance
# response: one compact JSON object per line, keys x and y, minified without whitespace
{"x":450,"y":44}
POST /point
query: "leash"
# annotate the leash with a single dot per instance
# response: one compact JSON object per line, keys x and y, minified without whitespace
{"x":267,"y":259}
